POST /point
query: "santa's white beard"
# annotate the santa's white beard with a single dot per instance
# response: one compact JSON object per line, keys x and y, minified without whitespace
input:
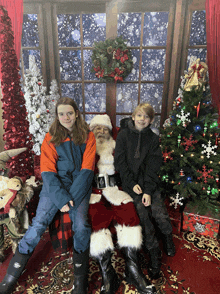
{"x":105,"y":150}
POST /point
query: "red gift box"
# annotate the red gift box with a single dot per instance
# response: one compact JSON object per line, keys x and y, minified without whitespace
{"x":206,"y":225}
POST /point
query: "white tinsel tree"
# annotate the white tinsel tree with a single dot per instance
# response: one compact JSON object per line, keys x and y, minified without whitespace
{"x":40,"y":107}
{"x":53,"y":97}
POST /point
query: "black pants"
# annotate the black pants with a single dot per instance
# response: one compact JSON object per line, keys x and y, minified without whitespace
{"x":157,"y":213}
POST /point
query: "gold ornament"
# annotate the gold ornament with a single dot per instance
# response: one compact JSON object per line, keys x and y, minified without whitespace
{"x":37,"y":115}
{"x":196,"y":75}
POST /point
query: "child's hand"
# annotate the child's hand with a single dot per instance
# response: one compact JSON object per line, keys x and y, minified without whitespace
{"x":66,"y":207}
{"x":137,"y":189}
{"x":146,"y":200}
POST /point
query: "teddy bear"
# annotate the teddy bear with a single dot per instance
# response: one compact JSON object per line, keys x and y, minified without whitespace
{"x":13,"y":211}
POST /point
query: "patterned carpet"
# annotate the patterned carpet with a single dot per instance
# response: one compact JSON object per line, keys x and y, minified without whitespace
{"x":195,"y":269}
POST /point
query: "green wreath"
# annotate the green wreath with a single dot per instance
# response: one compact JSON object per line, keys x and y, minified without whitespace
{"x":112,"y":60}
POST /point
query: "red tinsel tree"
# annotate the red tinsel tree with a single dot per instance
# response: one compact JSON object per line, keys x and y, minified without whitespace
{"x":16,"y":124}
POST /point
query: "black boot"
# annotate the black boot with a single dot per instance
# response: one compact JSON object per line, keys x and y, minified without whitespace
{"x":169,"y":247}
{"x":14,"y":271}
{"x":110,"y":280}
{"x":154,"y":265}
{"x":134,"y":274}
{"x":81,"y":268}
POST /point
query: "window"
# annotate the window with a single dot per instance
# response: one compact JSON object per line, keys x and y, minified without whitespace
{"x":197,"y":40}
{"x":30,"y":42}
{"x":61,"y":34}
{"x":147,"y":37}
{"x":76,"y":36}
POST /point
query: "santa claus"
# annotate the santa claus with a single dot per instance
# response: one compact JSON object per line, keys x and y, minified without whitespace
{"x":110,"y":206}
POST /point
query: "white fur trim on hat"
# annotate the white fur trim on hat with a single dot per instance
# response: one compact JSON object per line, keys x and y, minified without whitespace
{"x":100,"y":119}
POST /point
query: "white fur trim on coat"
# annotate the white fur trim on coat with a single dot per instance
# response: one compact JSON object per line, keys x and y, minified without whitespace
{"x":95,"y":198}
{"x":129,"y":236}
{"x":116,"y":196}
{"x":100,"y":242}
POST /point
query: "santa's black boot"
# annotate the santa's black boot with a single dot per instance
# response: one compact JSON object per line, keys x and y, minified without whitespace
{"x":134,"y":274}
{"x":168,"y":245}
{"x":110,"y":280}
{"x":155,"y":264}
{"x":81,"y":268}
{"x":14,"y":271}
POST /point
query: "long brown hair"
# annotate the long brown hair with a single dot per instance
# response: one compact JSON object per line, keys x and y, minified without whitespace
{"x":59,"y":133}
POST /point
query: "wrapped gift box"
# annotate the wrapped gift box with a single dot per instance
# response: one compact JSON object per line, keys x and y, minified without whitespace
{"x":207,"y":225}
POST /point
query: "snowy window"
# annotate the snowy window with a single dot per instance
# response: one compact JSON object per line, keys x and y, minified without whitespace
{"x":148,"y":61}
{"x":30,"y":35}
{"x":75,"y":52}
{"x":29,"y":42}
{"x":197,"y":40}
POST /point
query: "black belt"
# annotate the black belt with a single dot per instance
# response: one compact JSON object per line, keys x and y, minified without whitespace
{"x":4,"y":216}
{"x":103,"y":181}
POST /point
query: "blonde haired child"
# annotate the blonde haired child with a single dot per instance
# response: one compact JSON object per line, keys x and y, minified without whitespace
{"x":138,"y":159}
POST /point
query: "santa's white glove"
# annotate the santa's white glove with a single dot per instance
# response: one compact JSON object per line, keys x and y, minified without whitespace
{"x":116,"y":196}
{"x":95,"y":198}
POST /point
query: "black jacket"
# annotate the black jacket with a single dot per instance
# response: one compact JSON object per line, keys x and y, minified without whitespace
{"x":138,"y":159}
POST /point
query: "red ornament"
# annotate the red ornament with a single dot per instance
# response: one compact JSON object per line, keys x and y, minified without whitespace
{"x":205,"y":174}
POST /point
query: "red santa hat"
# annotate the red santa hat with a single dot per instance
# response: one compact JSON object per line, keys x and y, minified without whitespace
{"x":100,"y":119}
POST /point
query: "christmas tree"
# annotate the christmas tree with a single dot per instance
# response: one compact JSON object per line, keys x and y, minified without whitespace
{"x":189,"y":142}
{"x":40,"y":106}
{"x":13,"y":104}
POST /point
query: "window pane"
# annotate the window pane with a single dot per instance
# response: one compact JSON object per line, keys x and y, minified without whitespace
{"x":30,"y":35}
{"x":68,"y":30}
{"x":152,"y":93}
{"x":197,"y":53}
{"x":87,"y":61}
{"x":134,"y":75}
{"x":198,"y":28}
{"x":73,"y":91}
{"x":94,"y":28}
{"x":70,"y":65}
{"x":153,"y":62}
{"x":155,"y":28}
{"x":126,"y":97}
{"x":89,"y":117}
{"x":129,"y":27}
{"x":25,"y":55}
{"x":95,"y":97}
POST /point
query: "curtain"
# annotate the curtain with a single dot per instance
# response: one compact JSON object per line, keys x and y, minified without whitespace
{"x":15,"y":12}
{"x":213,"y":49}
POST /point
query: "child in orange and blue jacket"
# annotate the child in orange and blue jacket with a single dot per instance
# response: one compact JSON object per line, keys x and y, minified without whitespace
{"x":67,"y":169}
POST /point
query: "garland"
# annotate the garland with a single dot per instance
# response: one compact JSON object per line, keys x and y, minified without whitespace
{"x":112,"y":60}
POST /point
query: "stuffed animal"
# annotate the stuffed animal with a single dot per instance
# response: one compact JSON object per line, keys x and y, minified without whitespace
{"x":13,"y":211}
{"x":6,"y":155}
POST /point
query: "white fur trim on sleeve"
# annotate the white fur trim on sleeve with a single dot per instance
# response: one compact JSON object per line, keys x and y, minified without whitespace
{"x":95,"y":198}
